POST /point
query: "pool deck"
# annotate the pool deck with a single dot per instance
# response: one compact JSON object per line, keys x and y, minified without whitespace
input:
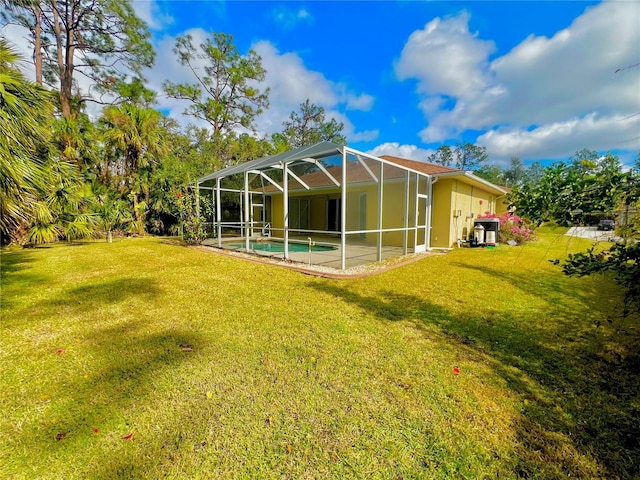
{"x":358,"y":252}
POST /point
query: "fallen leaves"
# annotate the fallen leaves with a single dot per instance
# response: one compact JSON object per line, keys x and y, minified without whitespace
{"x":128,"y":437}
{"x":60,"y":351}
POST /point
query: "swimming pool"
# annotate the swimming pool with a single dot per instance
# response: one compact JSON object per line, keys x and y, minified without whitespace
{"x":278,"y":247}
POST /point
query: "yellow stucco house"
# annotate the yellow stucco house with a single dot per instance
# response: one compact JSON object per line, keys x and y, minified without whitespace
{"x":365,"y":208}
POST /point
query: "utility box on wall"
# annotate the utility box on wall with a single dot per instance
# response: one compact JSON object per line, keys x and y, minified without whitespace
{"x":491,"y":228}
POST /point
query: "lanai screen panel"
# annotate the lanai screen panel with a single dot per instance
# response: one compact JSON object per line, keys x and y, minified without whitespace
{"x":231,"y":206}
{"x":379,"y":210}
{"x":398,"y":205}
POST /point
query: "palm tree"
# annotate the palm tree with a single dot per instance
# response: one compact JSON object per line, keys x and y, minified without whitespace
{"x":136,"y":137}
{"x":25,"y":113}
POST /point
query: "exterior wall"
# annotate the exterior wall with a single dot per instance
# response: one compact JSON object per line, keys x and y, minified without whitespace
{"x":441,"y":215}
{"x":392,"y":210}
{"x":502,"y":205}
{"x":456,"y":205}
{"x":318,"y":212}
{"x":465,"y":202}
{"x":276,"y":215}
{"x":318,"y":209}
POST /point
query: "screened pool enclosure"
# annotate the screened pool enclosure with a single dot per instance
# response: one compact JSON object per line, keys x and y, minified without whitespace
{"x":324,"y":204}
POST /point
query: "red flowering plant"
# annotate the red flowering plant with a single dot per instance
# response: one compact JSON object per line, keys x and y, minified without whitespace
{"x":512,"y":227}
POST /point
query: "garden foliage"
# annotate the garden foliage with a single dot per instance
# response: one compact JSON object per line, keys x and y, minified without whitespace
{"x":512,"y":227}
{"x":620,"y":261}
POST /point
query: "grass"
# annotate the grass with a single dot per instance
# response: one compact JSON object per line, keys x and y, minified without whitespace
{"x":223,"y":368}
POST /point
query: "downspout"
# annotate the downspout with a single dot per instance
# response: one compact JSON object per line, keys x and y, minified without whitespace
{"x":496,"y":202}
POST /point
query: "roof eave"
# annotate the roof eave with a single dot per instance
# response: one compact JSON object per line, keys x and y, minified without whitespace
{"x":472,"y":177}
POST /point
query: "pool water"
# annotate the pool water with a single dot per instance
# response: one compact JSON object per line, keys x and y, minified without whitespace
{"x":278,"y":247}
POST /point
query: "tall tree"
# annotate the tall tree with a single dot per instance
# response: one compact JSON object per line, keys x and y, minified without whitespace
{"x":491,"y":173}
{"x":135,"y":141}
{"x":465,"y":156}
{"x":585,"y":190}
{"x":28,"y":14}
{"x":535,"y":172}
{"x":442,"y":156}
{"x":584,"y":159}
{"x":311,"y":126}
{"x":516,"y":173}
{"x":225,"y":93}
{"x":99,"y":40}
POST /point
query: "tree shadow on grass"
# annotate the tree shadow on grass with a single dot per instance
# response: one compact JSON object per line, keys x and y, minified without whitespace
{"x":572,"y":395}
{"x":88,"y":297}
{"x":14,"y":272}
{"x":105,"y":373}
{"x":122,"y":363}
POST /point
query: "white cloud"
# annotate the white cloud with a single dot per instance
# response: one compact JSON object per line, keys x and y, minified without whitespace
{"x":167,"y":67}
{"x":150,"y":12}
{"x":362,"y":102}
{"x":411,"y":152}
{"x":446,"y":58}
{"x":288,"y":78}
{"x":291,"y":83}
{"x":554,"y":140}
{"x":288,"y":18}
{"x":561,"y":91}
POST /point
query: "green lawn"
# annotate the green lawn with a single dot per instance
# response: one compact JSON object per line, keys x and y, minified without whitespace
{"x":223,"y":368}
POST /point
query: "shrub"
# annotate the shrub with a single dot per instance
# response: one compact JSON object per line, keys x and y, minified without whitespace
{"x":512,"y":227}
{"x":192,"y":222}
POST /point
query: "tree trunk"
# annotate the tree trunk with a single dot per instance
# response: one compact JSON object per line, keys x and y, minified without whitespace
{"x":64,"y":51}
{"x":139,"y":217}
{"x":37,"y":47}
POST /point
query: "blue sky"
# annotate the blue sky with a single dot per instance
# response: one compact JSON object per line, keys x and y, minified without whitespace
{"x":529,"y":79}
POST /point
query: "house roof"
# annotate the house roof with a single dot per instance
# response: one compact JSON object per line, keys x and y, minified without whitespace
{"x":440,"y":171}
{"x":424,"y":167}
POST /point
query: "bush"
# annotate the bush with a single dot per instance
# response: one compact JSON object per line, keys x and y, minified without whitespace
{"x":512,"y":227}
{"x":192,"y":222}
